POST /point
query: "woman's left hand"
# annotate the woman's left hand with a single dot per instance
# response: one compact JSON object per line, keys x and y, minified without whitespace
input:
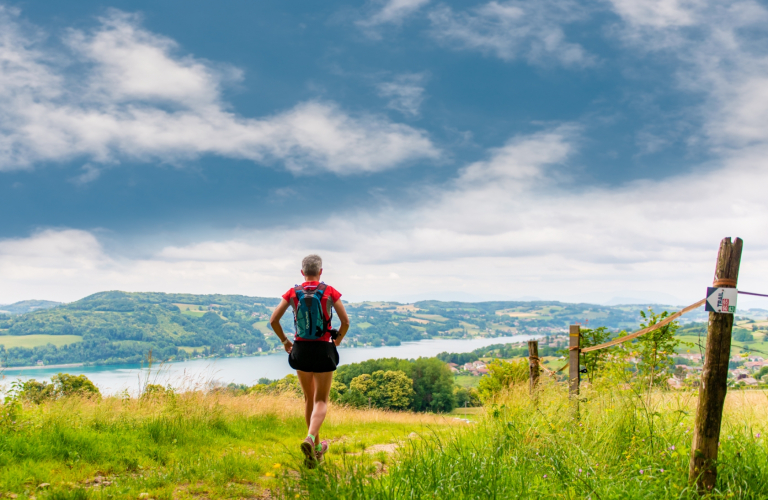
{"x":288,"y":346}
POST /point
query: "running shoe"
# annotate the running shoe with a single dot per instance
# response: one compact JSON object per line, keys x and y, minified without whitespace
{"x":320,"y":454}
{"x":308,"y":449}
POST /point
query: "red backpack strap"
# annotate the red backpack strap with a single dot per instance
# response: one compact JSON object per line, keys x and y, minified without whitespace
{"x":326,"y":323}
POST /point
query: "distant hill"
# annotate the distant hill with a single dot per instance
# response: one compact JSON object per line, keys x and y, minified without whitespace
{"x":121,"y":327}
{"x":26,"y":306}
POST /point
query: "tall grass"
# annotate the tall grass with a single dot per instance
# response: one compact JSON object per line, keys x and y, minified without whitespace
{"x":619,"y":444}
{"x":192,"y":444}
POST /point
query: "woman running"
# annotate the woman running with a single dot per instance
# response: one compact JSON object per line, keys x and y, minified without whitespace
{"x":313,"y":353}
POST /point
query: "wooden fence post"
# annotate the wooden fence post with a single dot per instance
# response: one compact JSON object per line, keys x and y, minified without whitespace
{"x":533,"y":364}
{"x":573,"y":360}
{"x":714,"y":377}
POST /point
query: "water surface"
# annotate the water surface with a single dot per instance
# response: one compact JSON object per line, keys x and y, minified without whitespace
{"x":113,"y":379}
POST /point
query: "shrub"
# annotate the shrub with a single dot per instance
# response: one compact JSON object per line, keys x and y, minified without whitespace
{"x":502,"y":375}
{"x":391,"y":390}
{"x":467,"y":397}
{"x":62,"y":385}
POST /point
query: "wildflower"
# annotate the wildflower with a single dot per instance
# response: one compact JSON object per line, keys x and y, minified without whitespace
{"x":276,"y":466}
{"x":661,"y":470}
{"x":757,"y":435}
{"x":545,"y":476}
{"x":641,"y":471}
{"x":579,"y":471}
{"x":672,"y":447}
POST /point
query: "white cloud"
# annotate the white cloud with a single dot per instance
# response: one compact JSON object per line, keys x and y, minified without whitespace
{"x":658,"y":13}
{"x":90,"y":174}
{"x":391,"y":11}
{"x":136,"y":99}
{"x":510,"y":225}
{"x":513,"y":224}
{"x":405,"y":93}
{"x":722,"y":54}
{"x":514,"y":30}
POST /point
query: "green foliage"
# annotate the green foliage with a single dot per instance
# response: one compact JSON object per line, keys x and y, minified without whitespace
{"x":188,"y":445}
{"x":288,"y":384}
{"x":432,"y":380}
{"x":391,"y":390}
{"x":120,"y":327}
{"x":502,"y":375}
{"x":617,"y":449}
{"x":656,"y":349}
{"x":594,"y":360}
{"x":36,"y":392}
{"x":742,"y":335}
{"x":62,"y":385}
{"x":459,"y":358}
{"x":467,"y":396}
{"x":337,"y":390}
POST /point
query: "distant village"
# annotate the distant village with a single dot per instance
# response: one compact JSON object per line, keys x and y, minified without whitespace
{"x":743,"y":371}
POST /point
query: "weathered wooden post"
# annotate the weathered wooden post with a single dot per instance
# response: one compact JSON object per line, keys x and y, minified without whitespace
{"x":714,"y":378}
{"x":533,"y":364}
{"x":574,"y":350}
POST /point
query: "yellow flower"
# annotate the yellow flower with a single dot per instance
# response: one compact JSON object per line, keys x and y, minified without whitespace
{"x":276,"y":466}
{"x":269,"y":474}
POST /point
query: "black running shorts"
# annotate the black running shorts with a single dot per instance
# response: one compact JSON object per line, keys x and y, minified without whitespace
{"x":315,"y":356}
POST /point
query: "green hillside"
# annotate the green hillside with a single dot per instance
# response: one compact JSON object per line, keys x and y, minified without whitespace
{"x":26,"y":306}
{"x":120,"y":327}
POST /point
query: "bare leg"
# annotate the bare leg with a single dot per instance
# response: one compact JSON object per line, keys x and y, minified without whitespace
{"x":322,"y":390}
{"x":307,"y":382}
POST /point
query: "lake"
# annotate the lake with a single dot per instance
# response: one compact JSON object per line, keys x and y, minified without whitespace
{"x":246,"y":370}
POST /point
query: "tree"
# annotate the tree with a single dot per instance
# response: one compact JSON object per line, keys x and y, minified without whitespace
{"x":467,"y":397}
{"x":501,"y":376}
{"x":337,"y":390}
{"x":384,"y":389}
{"x":36,"y":392}
{"x":656,"y":349}
{"x":62,"y":385}
{"x":68,"y":385}
{"x":433,"y":384}
{"x":594,"y":360}
{"x":741,"y":335}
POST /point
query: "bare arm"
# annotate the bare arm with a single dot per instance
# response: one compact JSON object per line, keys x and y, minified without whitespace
{"x":342,"y":313}
{"x":275,"y":322}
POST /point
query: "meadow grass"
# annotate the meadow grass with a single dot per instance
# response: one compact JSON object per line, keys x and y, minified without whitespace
{"x":187,"y":445}
{"x":619,"y":444}
{"x":467,"y":381}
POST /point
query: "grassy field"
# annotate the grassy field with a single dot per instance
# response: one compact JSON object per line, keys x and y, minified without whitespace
{"x":196,"y":314}
{"x":191,"y":445}
{"x":262,"y":327}
{"x":466,"y":380}
{"x":619,"y":444}
{"x":38,"y":340}
{"x":192,"y":349}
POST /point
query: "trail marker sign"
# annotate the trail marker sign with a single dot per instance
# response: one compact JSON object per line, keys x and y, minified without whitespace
{"x":721,"y":300}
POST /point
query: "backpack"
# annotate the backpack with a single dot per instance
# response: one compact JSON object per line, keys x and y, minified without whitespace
{"x":308,"y":315}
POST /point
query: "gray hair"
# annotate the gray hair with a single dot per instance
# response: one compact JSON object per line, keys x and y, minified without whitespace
{"x":311,"y":265}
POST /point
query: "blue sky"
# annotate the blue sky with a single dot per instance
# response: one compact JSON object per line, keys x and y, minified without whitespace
{"x":565,"y":150}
